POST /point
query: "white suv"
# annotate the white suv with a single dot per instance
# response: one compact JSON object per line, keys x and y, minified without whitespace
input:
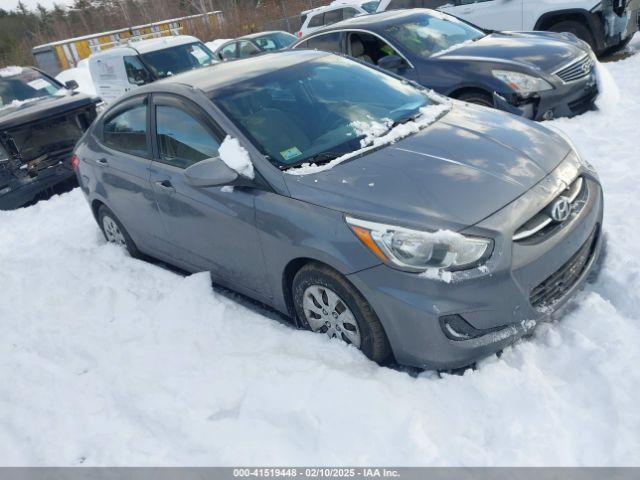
{"x":606,"y":25}
{"x":335,"y":12}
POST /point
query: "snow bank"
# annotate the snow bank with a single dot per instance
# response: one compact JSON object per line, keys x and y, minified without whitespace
{"x":236,"y":157}
{"x":106,"y":360}
{"x":375,"y":137}
{"x":80,"y":74}
{"x":609,"y":96}
{"x":10,"y":71}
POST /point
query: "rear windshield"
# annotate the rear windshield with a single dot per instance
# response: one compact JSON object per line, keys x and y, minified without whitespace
{"x":313,"y":111}
{"x":175,"y":60}
{"x":19,"y":85}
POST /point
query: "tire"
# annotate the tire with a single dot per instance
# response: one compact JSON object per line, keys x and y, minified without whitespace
{"x":367,"y":333}
{"x":114,"y":231}
{"x":616,"y":48}
{"x":478,"y":98}
{"x":578,"y":29}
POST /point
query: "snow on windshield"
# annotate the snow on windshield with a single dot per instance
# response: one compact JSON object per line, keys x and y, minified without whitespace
{"x":375,"y":136}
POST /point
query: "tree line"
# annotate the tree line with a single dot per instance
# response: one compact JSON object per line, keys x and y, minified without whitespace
{"x":22,"y":28}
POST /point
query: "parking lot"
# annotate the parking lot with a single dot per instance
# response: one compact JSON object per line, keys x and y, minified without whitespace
{"x":109,"y":360}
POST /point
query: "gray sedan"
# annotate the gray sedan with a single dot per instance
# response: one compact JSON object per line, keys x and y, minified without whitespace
{"x":403,"y":223}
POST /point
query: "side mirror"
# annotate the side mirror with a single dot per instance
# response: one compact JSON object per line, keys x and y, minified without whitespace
{"x":212,"y":172}
{"x":392,"y":63}
{"x":71,"y":84}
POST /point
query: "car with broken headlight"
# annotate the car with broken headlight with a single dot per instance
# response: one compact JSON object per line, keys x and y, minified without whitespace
{"x":406,"y":224}
{"x":40,"y":122}
{"x":538,"y":75}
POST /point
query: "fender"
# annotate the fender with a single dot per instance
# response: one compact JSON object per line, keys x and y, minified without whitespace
{"x":592,"y":20}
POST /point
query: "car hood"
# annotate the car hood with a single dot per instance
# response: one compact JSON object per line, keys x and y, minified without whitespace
{"x":37,"y":109}
{"x":452,"y":174}
{"x":543,"y":51}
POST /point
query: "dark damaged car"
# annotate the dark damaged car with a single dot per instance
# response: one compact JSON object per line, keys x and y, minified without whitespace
{"x":40,"y":122}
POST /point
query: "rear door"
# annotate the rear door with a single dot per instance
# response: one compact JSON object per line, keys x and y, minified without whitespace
{"x":213,"y":228}
{"x":121,"y":161}
{"x":490,"y":14}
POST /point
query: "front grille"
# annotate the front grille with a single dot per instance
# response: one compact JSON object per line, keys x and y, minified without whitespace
{"x":550,"y":291}
{"x":577,"y":70}
{"x":541,"y":224}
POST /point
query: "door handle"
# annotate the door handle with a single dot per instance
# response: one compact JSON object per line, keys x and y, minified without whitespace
{"x":165,"y":185}
{"x":102,"y":162}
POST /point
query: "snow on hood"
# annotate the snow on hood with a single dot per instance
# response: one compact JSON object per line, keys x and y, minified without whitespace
{"x":375,"y":137}
{"x":236,"y":157}
{"x":10,"y":71}
{"x":456,"y":172}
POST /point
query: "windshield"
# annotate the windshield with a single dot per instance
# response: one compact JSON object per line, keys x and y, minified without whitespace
{"x":274,"y":41}
{"x":175,"y":60}
{"x":370,"y":6}
{"x":315,"y":111}
{"x":19,"y":85}
{"x":431,"y":34}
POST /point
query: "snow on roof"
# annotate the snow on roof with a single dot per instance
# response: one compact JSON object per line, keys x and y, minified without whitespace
{"x":145,"y":46}
{"x":10,"y":71}
{"x":331,"y":6}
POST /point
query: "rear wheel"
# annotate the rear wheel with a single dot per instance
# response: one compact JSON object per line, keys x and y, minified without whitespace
{"x":325,"y":302}
{"x":621,"y":46}
{"x":114,"y":231}
{"x":578,"y":29}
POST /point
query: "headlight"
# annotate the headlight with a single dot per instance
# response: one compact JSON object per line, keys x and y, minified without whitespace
{"x":418,"y":251}
{"x":522,"y":82}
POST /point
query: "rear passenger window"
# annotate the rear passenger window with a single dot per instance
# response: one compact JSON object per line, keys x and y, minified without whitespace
{"x":127,"y":132}
{"x":332,"y":16}
{"x":228,"y":52}
{"x":183,"y":140}
{"x":316,"y":20}
{"x":329,"y":42}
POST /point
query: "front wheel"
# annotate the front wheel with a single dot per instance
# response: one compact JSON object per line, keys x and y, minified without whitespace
{"x":477,"y":98}
{"x":325,"y":302}
{"x":578,"y":29}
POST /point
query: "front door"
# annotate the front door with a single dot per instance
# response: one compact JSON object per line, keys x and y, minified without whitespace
{"x":491,"y":14}
{"x":211,"y":228}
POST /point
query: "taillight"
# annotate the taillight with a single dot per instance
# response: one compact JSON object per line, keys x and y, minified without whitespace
{"x":75,"y":161}
{"x":299,"y":34}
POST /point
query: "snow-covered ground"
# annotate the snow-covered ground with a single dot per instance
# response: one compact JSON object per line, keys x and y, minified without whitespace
{"x":108,"y":360}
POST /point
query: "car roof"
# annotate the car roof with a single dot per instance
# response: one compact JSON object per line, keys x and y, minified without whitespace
{"x":377,"y":20}
{"x":149,"y":45}
{"x":332,"y":6}
{"x":262,"y":34}
{"x":217,"y":76}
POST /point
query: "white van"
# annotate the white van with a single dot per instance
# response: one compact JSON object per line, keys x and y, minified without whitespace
{"x":606,"y":25}
{"x":120,"y":69}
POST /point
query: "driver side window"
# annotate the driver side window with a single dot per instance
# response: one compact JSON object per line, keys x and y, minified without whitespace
{"x":183,"y":140}
{"x":137,"y":73}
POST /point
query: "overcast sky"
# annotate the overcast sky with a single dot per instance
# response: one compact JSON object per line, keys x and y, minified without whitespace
{"x":11,"y":4}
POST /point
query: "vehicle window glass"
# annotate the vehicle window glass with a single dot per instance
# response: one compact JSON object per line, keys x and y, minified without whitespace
{"x":183,"y":140}
{"x":178,"y":59}
{"x":429,"y":35}
{"x":329,"y":42}
{"x":400,"y":4}
{"x":317,"y":108}
{"x":332,"y":16}
{"x":127,"y":131}
{"x":349,"y":12}
{"x":370,"y":7}
{"x":229,"y":52}
{"x":137,"y":73}
{"x":246,"y":49}
{"x":369,"y":48}
{"x":274,"y":41}
{"x":316,"y":20}
{"x":23,"y":84}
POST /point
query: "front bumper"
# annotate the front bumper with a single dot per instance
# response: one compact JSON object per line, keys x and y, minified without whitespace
{"x":565,"y":100}
{"x":495,"y":298}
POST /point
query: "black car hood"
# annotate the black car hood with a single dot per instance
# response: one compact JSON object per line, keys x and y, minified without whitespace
{"x":40,"y":108}
{"x":542,"y":51}
{"x":452,"y":174}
